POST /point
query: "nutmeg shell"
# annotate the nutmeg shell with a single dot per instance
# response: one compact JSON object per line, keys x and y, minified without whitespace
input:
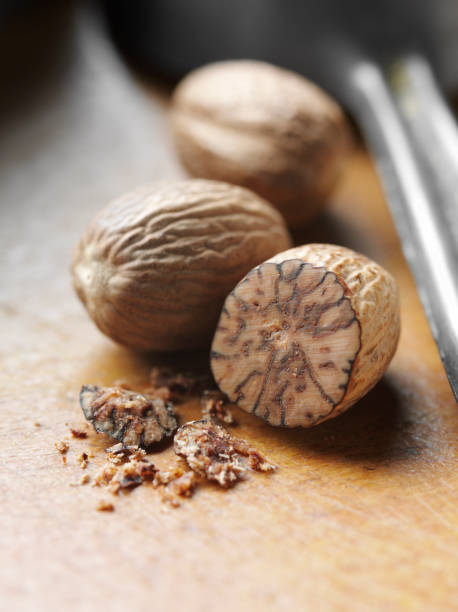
{"x":266,"y":128}
{"x":153,"y":268}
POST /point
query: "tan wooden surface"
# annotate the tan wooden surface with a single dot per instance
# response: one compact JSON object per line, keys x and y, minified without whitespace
{"x":362,"y":514}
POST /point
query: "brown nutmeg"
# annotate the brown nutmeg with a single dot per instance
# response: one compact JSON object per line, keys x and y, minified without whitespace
{"x":306,"y":334}
{"x":268,"y":129}
{"x":153,"y":268}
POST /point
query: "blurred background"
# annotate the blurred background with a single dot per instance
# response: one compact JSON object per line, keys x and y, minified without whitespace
{"x":85,"y":87}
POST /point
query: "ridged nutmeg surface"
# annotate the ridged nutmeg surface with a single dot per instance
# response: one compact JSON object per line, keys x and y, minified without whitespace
{"x":153,"y":268}
{"x":262,"y":127}
{"x":306,"y":334}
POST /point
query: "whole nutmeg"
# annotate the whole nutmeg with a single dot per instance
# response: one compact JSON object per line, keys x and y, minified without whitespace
{"x":306,"y":334}
{"x":153,"y":268}
{"x":262,"y":127}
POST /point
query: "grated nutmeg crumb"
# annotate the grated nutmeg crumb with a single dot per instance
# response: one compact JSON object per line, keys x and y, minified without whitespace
{"x":62,"y":446}
{"x":214,"y":406}
{"x":83,"y":460}
{"x":259,"y":463}
{"x":105,"y":505}
{"x":132,"y":474}
{"x":85,"y":478}
{"x":78,"y":433}
{"x":104,"y":476}
{"x":180,"y":487}
{"x":212,"y":452}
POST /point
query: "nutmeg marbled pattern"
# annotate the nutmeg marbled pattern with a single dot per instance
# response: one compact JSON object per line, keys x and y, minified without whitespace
{"x":306,"y":334}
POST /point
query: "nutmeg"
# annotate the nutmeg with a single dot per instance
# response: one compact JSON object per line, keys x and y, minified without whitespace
{"x":266,"y":128}
{"x":306,"y":334}
{"x":154,"y":267}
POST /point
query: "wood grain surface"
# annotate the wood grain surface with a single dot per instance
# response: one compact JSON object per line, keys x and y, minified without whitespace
{"x":362,"y":513}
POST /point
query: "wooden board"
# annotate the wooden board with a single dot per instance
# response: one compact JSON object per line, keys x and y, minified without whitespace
{"x":362,"y":514}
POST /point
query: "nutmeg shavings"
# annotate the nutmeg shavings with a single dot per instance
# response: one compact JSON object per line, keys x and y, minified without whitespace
{"x":104,"y":505}
{"x":173,"y":385}
{"x":259,"y":463}
{"x":83,"y":460}
{"x":213,"y":453}
{"x":105,"y":475}
{"x":135,"y":469}
{"x":164,"y":477}
{"x":214,"y":406}
{"x":132,"y":474}
{"x":184,"y":485}
{"x":125,"y":468}
{"x":180,"y":487}
{"x":205,"y":449}
{"x":62,"y":446}
{"x":121,"y":449}
{"x":78,"y":433}
{"x":85,"y":478}
{"x":119,"y":453}
{"x":129,"y":417}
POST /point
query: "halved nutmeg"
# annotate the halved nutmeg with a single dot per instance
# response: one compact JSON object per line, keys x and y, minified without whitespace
{"x":306,"y":334}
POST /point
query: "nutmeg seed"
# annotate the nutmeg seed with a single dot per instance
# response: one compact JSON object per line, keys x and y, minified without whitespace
{"x":253,"y":124}
{"x":306,"y":334}
{"x":153,"y":268}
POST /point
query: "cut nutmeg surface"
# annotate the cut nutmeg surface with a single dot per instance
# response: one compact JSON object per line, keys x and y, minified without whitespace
{"x":306,"y":334}
{"x":253,"y":124}
{"x":154,"y":267}
{"x":131,"y":418}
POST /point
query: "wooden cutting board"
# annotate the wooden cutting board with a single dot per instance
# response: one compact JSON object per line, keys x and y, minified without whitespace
{"x":362,"y":513}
